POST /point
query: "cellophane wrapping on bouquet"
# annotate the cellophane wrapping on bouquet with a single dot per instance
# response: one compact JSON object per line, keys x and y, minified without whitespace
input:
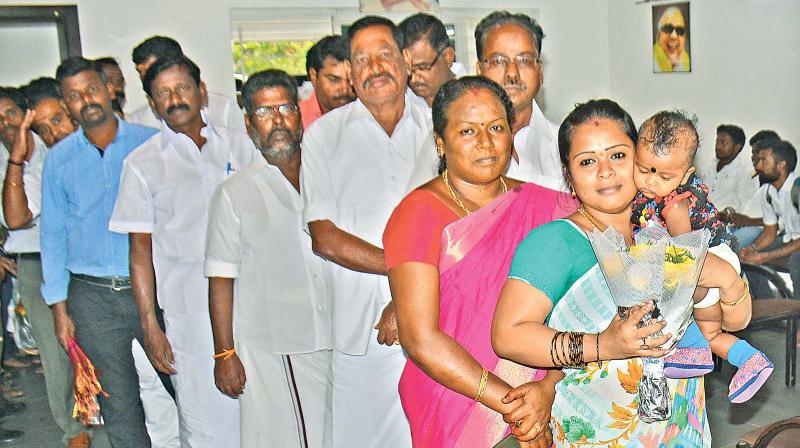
{"x":660,"y":268}
{"x":87,"y":386}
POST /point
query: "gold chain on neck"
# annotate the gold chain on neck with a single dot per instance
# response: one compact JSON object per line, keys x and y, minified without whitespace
{"x":592,"y":220}
{"x":452,"y":191}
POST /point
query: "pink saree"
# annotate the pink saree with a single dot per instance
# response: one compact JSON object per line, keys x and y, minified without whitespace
{"x":473,"y":265}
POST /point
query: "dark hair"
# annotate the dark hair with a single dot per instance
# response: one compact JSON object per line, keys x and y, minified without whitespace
{"x":76,"y":64}
{"x":736,"y":133}
{"x":425,"y":26}
{"x":265,"y":79}
{"x":499,"y":18}
{"x":783,"y":151}
{"x":327,"y":47}
{"x":600,"y":109}
{"x":162,"y":65}
{"x":14,"y":94}
{"x":764,"y":134}
{"x":661,"y":133}
{"x":40,"y":89}
{"x":108,"y":60}
{"x":764,"y":143}
{"x":368,"y":21}
{"x":453,"y":90}
{"x":160,"y":47}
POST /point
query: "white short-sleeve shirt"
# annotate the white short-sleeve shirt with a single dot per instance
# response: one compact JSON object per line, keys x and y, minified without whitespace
{"x":26,"y":240}
{"x":733,"y":185}
{"x":255,"y":235}
{"x":223,"y":112}
{"x":165,"y":190}
{"x":537,"y":149}
{"x":354,"y":175}
{"x":778,"y":209}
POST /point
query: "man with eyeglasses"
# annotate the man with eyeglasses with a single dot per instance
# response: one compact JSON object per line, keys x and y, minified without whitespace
{"x":669,"y":50}
{"x":266,"y":285}
{"x":327,"y":71}
{"x":431,"y":54}
{"x":163,"y":201}
{"x":359,"y":161}
{"x":509,"y":53}
{"x":84,"y":265}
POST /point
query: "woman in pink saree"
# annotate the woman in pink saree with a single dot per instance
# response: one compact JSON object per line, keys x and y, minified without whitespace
{"x":448,"y":248}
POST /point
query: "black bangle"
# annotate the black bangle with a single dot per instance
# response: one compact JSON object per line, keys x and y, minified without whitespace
{"x":14,"y":162}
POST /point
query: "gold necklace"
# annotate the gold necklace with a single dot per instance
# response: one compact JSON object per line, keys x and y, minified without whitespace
{"x":459,"y":202}
{"x":592,"y":220}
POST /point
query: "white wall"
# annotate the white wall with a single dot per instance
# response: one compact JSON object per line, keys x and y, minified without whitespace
{"x":745,"y":67}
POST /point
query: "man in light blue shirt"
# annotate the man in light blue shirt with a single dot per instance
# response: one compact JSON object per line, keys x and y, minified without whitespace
{"x":85,"y":266}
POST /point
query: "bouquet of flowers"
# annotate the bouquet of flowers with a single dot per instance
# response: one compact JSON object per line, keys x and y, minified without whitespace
{"x":87,"y":387}
{"x":660,"y":268}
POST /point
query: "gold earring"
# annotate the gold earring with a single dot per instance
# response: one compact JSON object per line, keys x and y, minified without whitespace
{"x":440,"y":151}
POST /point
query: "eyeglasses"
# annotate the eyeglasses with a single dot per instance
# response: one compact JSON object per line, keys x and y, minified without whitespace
{"x":680,"y":30}
{"x":268,"y":112}
{"x":426,"y":67}
{"x":522,"y":61}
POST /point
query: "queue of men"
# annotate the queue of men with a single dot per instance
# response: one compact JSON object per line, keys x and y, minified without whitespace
{"x":243,"y":251}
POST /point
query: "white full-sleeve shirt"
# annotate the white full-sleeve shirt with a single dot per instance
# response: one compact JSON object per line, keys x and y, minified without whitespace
{"x":256,"y":236}
{"x":165,"y":190}
{"x":354,"y":175}
{"x":26,"y":240}
{"x":223,"y":112}
{"x":537,"y":149}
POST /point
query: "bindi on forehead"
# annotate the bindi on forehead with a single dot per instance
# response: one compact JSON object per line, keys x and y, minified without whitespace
{"x":596,"y":123}
{"x":652,"y":169}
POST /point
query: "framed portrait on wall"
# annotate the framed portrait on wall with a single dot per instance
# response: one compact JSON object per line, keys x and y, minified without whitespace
{"x":398,"y":5}
{"x":671,"y":38}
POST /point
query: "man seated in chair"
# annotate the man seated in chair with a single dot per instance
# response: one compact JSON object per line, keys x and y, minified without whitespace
{"x":776,"y":163}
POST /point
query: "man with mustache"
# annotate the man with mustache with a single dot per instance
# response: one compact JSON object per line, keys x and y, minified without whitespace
{"x":281,"y":353}
{"x":163,"y":201}
{"x":22,"y":193}
{"x":221,"y":110}
{"x":431,"y":54}
{"x":328,"y":74}
{"x":359,"y":161}
{"x":509,"y":50}
{"x":110,"y":67}
{"x":84,"y":265}
{"x":669,"y":50}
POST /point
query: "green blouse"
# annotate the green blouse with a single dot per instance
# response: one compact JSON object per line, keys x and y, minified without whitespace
{"x":553,"y":257}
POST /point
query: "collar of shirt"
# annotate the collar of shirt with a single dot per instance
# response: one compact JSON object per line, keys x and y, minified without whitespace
{"x":360,"y":111}
{"x":122,"y":131}
{"x":169,"y":136}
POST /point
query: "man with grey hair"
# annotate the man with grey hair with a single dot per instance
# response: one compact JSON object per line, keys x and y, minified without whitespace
{"x":266,"y":286}
{"x":509,"y":50}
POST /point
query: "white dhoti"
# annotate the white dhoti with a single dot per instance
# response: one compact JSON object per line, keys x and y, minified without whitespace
{"x":160,"y":412}
{"x":207,"y":417}
{"x":285,"y":399}
{"x":366,"y":403}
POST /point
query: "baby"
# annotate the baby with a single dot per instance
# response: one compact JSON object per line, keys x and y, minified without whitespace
{"x":670,"y":193}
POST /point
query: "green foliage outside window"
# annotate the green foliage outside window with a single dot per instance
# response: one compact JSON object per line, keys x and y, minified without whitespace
{"x":286,"y":55}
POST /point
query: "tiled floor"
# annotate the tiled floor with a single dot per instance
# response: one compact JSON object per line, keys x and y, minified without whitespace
{"x":728,"y":421}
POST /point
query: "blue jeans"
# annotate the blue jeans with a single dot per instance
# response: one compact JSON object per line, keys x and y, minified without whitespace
{"x":746,"y":235}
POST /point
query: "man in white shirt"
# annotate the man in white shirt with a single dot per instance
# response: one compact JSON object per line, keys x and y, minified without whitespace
{"x":509,"y":50}
{"x":730,"y":184}
{"x":777,"y":163}
{"x":266,"y":286}
{"x":223,"y":111}
{"x":431,"y":53}
{"x":359,"y":161}
{"x":165,"y":189}
{"x":747,"y":223}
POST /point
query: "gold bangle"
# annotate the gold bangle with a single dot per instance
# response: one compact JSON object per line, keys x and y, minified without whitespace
{"x":482,"y":386}
{"x":14,"y":184}
{"x":225,"y":354}
{"x":741,"y":299}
